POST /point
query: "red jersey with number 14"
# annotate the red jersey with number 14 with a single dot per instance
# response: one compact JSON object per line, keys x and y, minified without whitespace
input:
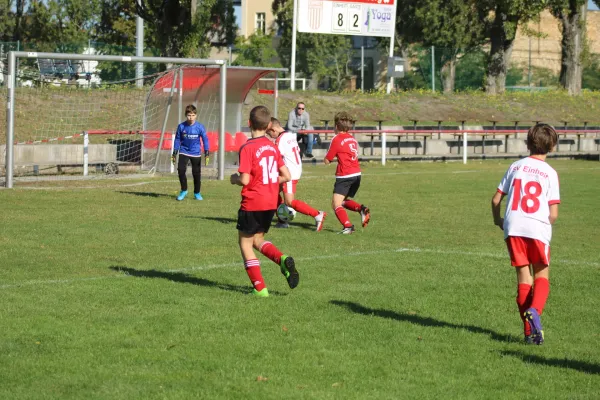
{"x":532,"y":187}
{"x":261,"y":159}
{"x":345,"y":148}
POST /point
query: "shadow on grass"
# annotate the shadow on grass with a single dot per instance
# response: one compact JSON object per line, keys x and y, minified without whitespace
{"x":180,"y":277}
{"x":146,"y":194}
{"x":222,"y":220}
{"x":303,"y":225}
{"x":555,"y":362}
{"x":423,"y":321}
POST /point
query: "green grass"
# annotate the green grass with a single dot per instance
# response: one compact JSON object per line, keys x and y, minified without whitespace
{"x":119,"y":292}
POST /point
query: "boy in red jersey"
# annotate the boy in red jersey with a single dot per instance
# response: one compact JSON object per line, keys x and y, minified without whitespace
{"x":347,"y":175}
{"x":532,"y":207}
{"x":261,"y":172}
{"x":290,"y":151}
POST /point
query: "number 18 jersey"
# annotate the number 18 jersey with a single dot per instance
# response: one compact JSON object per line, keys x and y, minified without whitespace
{"x":261,"y":159}
{"x":531,"y":186}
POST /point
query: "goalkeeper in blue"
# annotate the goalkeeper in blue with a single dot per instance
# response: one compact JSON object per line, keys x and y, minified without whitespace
{"x":187,"y":145}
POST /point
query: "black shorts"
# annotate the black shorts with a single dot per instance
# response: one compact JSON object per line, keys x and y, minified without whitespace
{"x":347,"y":186}
{"x":252,"y":222}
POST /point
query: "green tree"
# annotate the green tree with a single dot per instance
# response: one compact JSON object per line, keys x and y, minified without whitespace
{"x":7,"y":21}
{"x":572,"y":17}
{"x":317,"y":55}
{"x":179,"y":33}
{"x":501,"y":19}
{"x":257,"y":50}
{"x":452,"y":26}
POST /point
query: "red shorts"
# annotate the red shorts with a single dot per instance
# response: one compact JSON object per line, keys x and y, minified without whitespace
{"x":525,"y":251}
{"x":289,"y":187}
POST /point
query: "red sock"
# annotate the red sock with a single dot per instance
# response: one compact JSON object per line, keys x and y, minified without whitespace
{"x":342,"y":216}
{"x":351,"y":205}
{"x":541,"y":289}
{"x":269,"y":250}
{"x":524,"y":302}
{"x":304,"y":208}
{"x":253,"y":271}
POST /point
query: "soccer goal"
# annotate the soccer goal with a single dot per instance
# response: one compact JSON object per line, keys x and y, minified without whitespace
{"x":67,"y":128}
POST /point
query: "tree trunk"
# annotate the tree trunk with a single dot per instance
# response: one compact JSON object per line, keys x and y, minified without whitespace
{"x":20,"y":6}
{"x":448,"y":74}
{"x":573,"y":39}
{"x":500,"y":52}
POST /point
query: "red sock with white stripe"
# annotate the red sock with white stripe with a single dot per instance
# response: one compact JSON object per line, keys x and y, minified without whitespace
{"x":351,"y":205}
{"x":524,"y":297}
{"x":269,"y":250}
{"x":253,"y":271}
{"x":342,"y":216}
{"x":541,"y":290}
{"x":304,"y":208}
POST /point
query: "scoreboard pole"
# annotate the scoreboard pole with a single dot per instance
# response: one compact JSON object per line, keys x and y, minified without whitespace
{"x":293,"y":61}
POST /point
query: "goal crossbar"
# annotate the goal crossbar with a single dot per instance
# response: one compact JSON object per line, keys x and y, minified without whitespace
{"x":13,"y":56}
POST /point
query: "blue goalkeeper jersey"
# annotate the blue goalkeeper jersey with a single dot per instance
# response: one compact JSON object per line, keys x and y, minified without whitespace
{"x":187,"y":139}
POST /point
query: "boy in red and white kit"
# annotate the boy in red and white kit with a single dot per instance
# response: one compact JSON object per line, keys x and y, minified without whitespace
{"x":347,"y":175}
{"x":533,"y":198}
{"x":261,"y":172}
{"x":287,"y":143}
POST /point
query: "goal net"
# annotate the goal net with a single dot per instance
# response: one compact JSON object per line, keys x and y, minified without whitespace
{"x":73,"y":120}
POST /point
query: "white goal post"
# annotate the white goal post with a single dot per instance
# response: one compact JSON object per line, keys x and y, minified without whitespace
{"x":14,"y":56}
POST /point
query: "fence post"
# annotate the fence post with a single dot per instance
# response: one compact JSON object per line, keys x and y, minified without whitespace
{"x":464,"y":143}
{"x":383,"y":147}
{"x":86,"y":144}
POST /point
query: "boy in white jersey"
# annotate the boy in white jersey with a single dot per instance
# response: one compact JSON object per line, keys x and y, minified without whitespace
{"x":288,"y":147}
{"x":532,"y":207}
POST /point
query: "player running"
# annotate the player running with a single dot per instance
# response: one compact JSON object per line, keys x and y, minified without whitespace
{"x":347,"y":175}
{"x":261,"y":171}
{"x":533,"y":198}
{"x":290,"y":151}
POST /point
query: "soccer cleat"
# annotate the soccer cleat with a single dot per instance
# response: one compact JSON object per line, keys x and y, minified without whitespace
{"x":309,"y":155}
{"x":282,"y":225}
{"x":262,"y":293}
{"x":319,"y":219}
{"x":365,"y":215}
{"x":288,"y":269}
{"x":347,"y":231}
{"x":182,"y":195}
{"x":198,"y":196}
{"x":529,"y":339}
{"x":535,"y":323}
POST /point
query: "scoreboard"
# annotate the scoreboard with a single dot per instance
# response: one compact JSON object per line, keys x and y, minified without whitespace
{"x":348,"y":17}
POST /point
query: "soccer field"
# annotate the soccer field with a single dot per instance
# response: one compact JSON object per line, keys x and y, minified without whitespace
{"x":114,"y":290}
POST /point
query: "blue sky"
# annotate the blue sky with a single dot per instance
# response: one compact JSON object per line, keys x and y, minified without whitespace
{"x":592,"y":6}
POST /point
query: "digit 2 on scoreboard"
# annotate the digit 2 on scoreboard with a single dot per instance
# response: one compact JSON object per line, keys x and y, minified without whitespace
{"x":355,"y":18}
{"x":339,"y":18}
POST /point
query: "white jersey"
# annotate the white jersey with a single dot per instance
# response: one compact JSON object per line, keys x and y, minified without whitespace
{"x":532,"y":186}
{"x":288,"y":147}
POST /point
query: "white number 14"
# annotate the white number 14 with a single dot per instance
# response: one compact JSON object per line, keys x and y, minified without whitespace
{"x":269,"y":170}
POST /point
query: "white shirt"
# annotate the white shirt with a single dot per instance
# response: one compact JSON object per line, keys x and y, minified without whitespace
{"x":288,"y":147}
{"x":532,"y":186}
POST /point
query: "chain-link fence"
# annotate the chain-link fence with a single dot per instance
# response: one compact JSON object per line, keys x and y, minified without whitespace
{"x":358,"y":64}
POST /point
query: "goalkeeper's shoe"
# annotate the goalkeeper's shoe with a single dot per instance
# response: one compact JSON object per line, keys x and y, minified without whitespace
{"x":182,"y":195}
{"x":535,"y":323}
{"x":529,"y":339}
{"x":319,"y":219}
{"x":288,"y":269}
{"x":198,"y":196}
{"x":365,"y":215}
{"x":262,"y":293}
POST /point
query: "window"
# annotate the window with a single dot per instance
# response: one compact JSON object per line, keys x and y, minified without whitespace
{"x":261,"y":23}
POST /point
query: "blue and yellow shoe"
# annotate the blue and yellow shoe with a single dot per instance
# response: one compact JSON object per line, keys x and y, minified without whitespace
{"x":535,"y":323}
{"x":288,"y":269}
{"x":262,"y":293}
{"x":182,"y":195}
{"x":198,"y":196}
